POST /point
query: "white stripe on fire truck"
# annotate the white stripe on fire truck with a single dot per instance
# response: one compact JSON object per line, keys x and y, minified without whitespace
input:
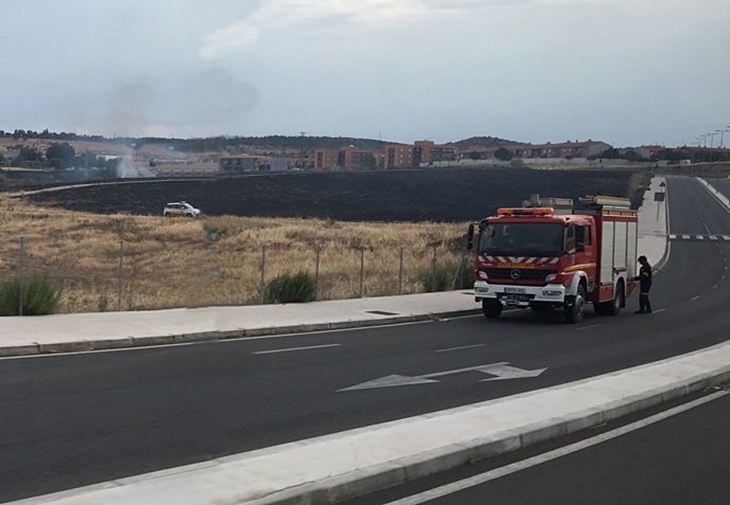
{"x":554,"y":261}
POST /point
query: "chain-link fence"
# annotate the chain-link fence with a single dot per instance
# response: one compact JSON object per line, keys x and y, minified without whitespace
{"x":121,"y":263}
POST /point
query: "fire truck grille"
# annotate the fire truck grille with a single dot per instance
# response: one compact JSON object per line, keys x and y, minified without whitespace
{"x":525,"y":274}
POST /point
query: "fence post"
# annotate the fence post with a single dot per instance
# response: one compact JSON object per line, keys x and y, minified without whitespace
{"x":263,"y":272}
{"x":458,"y":274}
{"x":400,"y":273}
{"x":316,"y":274}
{"x":362,"y":269}
{"x":20,"y":276}
{"x":121,"y":275}
{"x":433,"y":271}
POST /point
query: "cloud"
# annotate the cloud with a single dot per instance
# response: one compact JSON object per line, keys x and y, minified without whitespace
{"x":280,"y":15}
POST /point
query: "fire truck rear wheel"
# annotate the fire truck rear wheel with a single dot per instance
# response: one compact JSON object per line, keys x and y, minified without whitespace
{"x":574,"y":312}
{"x":613,"y":307}
{"x":491,"y":308}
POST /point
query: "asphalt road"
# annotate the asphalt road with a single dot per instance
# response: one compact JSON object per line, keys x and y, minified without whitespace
{"x":72,"y":420}
{"x":662,"y":457}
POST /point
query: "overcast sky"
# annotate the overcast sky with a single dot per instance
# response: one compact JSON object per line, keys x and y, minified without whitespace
{"x":627,"y":72}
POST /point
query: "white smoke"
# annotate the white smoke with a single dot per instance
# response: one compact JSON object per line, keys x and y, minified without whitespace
{"x":128,"y":169}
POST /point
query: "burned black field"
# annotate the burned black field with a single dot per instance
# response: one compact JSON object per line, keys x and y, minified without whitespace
{"x":444,"y":195}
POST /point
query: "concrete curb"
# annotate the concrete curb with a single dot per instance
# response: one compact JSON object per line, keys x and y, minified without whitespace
{"x":35,"y":348}
{"x":722,"y":199}
{"x":667,"y":244}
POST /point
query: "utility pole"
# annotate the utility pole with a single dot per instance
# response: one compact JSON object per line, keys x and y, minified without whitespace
{"x":301,"y":152}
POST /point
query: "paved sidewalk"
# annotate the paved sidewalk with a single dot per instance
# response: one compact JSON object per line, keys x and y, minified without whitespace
{"x":104,"y":330}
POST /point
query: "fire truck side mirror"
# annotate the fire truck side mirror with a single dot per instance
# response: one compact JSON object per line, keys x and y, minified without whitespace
{"x":470,"y":238}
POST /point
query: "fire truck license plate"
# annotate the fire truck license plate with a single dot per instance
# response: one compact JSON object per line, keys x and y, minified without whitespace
{"x":509,"y":289}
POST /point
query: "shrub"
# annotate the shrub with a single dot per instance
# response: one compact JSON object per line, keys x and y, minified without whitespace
{"x":448,"y":277}
{"x":39,"y":297}
{"x":287,"y":288}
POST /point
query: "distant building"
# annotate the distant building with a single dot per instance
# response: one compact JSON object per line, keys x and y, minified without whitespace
{"x":241,"y":163}
{"x":425,"y":151}
{"x":421,"y":152}
{"x":560,"y":150}
{"x":399,"y":156}
{"x":325,"y":159}
{"x":278,"y":164}
{"x":349,"y":157}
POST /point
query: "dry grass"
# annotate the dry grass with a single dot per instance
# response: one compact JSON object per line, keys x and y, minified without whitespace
{"x":212,"y":261}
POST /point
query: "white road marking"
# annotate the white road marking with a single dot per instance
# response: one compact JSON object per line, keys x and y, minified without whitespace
{"x":588,"y":327}
{"x":500,"y":371}
{"x":496,"y":473}
{"x":694,"y":299}
{"x":686,"y":237}
{"x":459,"y":348}
{"x":657,"y":311}
{"x":295,"y":349}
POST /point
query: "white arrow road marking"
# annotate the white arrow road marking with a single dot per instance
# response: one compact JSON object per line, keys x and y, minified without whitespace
{"x":501,"y":371}
{"x":390,"y":381}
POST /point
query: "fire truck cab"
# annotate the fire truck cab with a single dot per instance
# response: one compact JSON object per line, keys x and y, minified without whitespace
{"x":542,"y":257}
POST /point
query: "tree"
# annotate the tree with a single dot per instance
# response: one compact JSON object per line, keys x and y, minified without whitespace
{"x":504,"y":154}
{"x":61,"y":155}
{"x":29,"y":157}
{"x":368,"y":162}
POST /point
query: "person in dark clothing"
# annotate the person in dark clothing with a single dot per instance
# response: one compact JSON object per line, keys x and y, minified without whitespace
{"x":644,"y":279}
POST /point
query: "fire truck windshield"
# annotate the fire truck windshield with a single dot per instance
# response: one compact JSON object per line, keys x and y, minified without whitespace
{"x":533,"y":239}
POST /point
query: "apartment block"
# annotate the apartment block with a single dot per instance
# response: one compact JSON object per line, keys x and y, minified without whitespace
{"x":349,"y":157}
{"x":421,"y":152}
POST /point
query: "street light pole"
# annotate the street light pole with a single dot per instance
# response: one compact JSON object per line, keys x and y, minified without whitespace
{"x":722,"y":136}
{"x":712,"y":138}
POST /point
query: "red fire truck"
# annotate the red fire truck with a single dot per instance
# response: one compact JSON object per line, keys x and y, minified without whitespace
{"x":543,"y":257}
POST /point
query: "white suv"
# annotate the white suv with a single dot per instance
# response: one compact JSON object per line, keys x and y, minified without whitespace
{"x":180,"y":209}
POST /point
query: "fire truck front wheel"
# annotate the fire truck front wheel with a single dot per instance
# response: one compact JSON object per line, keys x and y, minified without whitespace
{"x":575,"y":309}
{"x":491,"y":308}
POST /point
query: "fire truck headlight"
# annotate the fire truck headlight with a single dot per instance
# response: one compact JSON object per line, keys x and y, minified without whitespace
{"x":551,"y":292}
{"x":550,"y":277}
